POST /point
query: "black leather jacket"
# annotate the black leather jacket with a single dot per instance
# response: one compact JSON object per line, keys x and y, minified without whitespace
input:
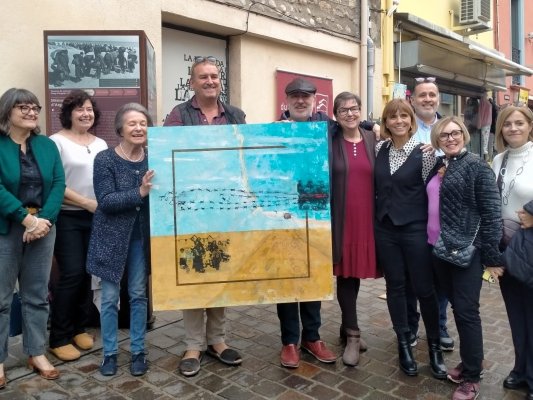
{"x":469,"y":198}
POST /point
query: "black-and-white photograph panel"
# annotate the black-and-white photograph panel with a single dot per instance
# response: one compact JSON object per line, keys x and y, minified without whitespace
{"x":93,"y":61}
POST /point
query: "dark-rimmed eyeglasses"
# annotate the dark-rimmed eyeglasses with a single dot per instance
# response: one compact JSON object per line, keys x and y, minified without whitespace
{"x":425,"y":79}
{"x":343,"y":112}
{"x":25,"y":109}
{"x":201,"y":59}
{"x":455,"y":134}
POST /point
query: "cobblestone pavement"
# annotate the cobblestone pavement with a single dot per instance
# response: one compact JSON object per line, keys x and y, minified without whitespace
{"x":254,"y":331}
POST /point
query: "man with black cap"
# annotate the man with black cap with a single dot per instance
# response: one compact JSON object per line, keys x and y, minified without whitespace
{"x":301,"y":100}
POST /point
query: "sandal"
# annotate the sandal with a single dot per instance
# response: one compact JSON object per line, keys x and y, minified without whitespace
{"x":190,"y":366}
{"x":228,"y":356}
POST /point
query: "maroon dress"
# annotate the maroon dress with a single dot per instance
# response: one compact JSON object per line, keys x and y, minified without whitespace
{"x":358,"y":246}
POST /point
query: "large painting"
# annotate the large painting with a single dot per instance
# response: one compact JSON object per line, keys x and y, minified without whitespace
{"x":240,"y":215}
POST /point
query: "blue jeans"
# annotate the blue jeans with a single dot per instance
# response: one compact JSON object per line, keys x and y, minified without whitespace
{"x":30,"y":263}
{"x":137,"y":276}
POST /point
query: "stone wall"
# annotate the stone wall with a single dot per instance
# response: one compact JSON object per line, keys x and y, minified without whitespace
{"x":336,"y":17}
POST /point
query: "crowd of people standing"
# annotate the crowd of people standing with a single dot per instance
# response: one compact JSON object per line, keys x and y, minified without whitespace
{"x":410,"y":203}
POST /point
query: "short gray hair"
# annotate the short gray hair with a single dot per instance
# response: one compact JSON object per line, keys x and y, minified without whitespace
{"x":10,"y":99}
{"x":119,"y":117}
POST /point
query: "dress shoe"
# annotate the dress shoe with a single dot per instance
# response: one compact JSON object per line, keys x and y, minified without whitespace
{"x":436,"y":361}
{"x":84,"y":341}
{"x":66,"y":353}
{"x":319,"y":350}
{"x":512,"y":382}
{"x":350,"y":357}
{"x":50,"y":374}
{"x":290,"y":356}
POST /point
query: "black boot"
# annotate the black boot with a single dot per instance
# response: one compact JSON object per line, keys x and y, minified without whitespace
{"x":405,"y":355}
{"x":438,"y":368}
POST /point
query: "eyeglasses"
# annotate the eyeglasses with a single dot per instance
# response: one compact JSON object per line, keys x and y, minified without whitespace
{"x":425,"y":79}
{"x":201,"y":59}
{"x":343,"y":112}
{"x":455,"y":134}
{"x":24,"y":109}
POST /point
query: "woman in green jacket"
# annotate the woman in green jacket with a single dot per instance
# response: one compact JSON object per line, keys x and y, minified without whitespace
{"x":32,"y":185}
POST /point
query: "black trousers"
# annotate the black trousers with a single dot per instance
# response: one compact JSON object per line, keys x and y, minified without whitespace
{"x":71,"y":295}
{"x":462,"y":286}
{"x":289,"y":315}
{"x":518,"y":300}
{"x":403,"y":254}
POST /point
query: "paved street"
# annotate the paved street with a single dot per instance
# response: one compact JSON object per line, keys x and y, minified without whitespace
{"x":254,"y":330}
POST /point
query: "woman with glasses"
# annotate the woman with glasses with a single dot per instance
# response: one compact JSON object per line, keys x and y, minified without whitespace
{"x":401,"y":170}
{"x":466,"y":211}
{"x":352,"y":212}
{"x":32,"y":184}
{"x":514,"y":167}
{"x":71,"y":293}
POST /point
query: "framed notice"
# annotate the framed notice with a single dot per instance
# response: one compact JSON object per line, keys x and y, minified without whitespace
{"x":240,"y":215}
{"x":324,"y":92}
{"x":112,"y":66}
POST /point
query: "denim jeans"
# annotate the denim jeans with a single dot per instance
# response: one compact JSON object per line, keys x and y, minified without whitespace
{"x":137,"y":277}
{"x":30,"y":263}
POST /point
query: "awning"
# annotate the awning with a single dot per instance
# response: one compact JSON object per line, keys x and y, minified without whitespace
{"x":459,"y":44}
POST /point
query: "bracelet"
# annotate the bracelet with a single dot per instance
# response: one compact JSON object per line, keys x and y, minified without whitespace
{"x":34,"y":225}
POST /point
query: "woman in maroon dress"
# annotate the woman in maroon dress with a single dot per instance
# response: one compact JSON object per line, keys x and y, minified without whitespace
{"x":352,"y":213}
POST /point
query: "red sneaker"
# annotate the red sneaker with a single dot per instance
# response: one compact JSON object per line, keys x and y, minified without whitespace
{"x":466,"y":391}
{"x":319,"y":350}
{"x":290,"y":356}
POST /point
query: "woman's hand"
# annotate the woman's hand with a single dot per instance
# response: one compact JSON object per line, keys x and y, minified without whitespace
{"x":36,"y":228}
{"x":427,"y":148}
{"x":496,"y":272}
{"x":146,"y":184}
{"x":526,"y":219}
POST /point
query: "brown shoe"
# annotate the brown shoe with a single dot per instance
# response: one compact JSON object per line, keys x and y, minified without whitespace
{"x":49,"y":374}
{"x":66,"y":353}
{"x":84,"y":341}
{"x":3,"y":382}
{"x":290,"y":356}
{"x":319,"y":350}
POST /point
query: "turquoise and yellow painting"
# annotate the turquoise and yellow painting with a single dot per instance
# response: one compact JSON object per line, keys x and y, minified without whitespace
{"x":240,"y":214}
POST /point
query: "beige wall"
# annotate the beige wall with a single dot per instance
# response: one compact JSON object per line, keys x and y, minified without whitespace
{"x":254,"y":55}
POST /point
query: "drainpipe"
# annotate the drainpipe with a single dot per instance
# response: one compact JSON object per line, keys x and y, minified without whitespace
{"x":363,"y":89}
{"x":371,"y":62}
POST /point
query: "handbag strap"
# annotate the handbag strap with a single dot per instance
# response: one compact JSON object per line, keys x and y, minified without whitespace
{"x":503,"y":167}
{"x":475,"y":234}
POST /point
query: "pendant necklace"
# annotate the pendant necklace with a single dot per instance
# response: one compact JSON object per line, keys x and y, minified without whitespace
{"x":129,"y":159}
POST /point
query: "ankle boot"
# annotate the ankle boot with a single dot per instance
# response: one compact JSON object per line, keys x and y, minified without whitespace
{"x":350,"y":356}
{"x":436,"y":361}
{"x":405,"y":356}
{"x":362,"y":344}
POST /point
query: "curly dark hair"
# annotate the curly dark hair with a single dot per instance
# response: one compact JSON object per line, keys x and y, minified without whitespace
{"x":74,"y":99}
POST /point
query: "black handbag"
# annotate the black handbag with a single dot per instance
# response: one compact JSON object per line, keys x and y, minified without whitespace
{"x":462,"y":256}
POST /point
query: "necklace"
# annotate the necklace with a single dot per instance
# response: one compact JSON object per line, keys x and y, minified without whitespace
{"x":503,"y":171}
{"x":129,"y":159}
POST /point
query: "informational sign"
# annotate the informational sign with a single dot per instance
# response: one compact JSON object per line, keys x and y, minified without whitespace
{"x":109,"y":65}
{"x":179,"y":50}
{"x":523,"y":96}
{"x":239,"y":215}
{"x":324,"y":93}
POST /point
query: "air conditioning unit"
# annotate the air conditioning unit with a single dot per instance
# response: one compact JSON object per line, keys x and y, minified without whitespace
{"x":475,"y":12}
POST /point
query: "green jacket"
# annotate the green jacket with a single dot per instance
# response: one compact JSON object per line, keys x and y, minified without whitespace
{"x":49,"y":163}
